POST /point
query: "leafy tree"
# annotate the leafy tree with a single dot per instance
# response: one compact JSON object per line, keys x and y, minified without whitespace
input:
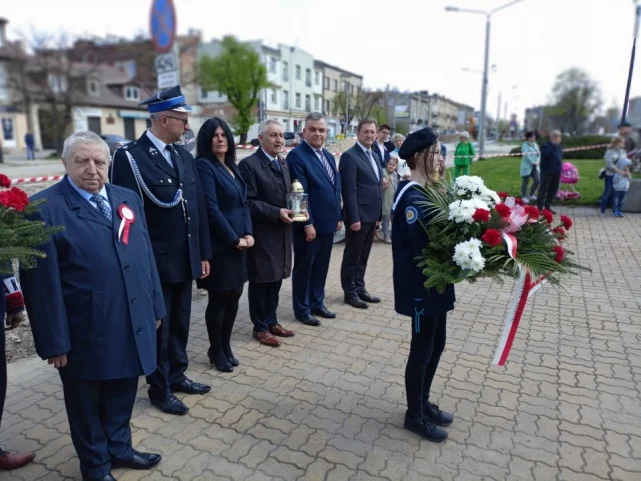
{"x":576,"y":98}
{"x":239,"y":74}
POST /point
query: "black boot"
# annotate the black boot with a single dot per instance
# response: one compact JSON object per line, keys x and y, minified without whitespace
{"x":217,"y":358}
{"x":228,"y":327}
{"x":425,"y":428}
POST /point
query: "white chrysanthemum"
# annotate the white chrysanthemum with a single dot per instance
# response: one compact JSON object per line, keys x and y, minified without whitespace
{"x":489,"y":196}
{"x":469,"y":182}
{"x":461,"y":211}
{"x":467,"y":255}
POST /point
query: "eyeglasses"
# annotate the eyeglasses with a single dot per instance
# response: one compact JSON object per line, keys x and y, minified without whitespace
{"x":184,"y":121}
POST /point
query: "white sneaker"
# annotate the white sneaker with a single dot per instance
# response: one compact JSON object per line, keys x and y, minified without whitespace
{"x":526,"y":200}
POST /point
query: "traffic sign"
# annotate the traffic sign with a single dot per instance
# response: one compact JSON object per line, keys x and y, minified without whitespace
{"x":168,"y":69}
{"x":162,"y":22}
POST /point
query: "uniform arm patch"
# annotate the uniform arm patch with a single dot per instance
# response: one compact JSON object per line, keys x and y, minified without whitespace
{"x":411,"y":215}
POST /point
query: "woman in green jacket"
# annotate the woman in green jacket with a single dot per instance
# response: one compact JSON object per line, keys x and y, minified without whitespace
{"x":530,"y":166}
{"x":463,"y":156}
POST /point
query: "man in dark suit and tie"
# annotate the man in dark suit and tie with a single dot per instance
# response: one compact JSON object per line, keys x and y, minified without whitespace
{"x":165,"y":177}
{"x":361,"y":181}
{"x":270,"y":260}
{"x":94,"y":304}
{"x":316,"y":170}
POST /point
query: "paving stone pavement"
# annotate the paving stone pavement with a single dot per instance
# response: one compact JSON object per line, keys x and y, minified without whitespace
{"x":329,"y":404}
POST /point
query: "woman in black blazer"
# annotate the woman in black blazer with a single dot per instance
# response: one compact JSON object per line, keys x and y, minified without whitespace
{"x":231,"y":233}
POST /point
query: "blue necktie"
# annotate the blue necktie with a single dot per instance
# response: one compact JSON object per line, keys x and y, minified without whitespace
{"x":103,"y":205}
{"x":277,"y":162}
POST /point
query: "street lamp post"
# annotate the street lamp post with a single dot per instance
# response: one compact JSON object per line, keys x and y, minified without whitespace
{"x":346,"y":85}
{"x":488,"y":20}
{"x":637,"y":19}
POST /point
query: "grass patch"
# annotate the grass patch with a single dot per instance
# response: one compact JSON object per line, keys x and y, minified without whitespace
{"x":501,"y":174}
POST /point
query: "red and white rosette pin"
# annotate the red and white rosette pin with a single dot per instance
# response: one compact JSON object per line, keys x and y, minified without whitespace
{"x":128,"y":218}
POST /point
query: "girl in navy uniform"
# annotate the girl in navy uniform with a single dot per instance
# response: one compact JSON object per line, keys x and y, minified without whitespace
{"x":427,"y":308}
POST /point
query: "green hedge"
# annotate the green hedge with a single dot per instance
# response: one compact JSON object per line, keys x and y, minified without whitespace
{"x":578,"y":142}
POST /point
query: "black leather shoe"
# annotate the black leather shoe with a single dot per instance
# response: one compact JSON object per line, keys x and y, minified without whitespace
{"x":435,"y":415}
{"x":324,"y":313}
{"x":170,"y":404}
{"x":308,"y":320}
{"x":426,"y":429}
{"x":190,"y":387}
{"x":107,"y":477}
{"x":139,"y":461}
{"x":222,"y":363}
{"x":367,"y":297}
{"x":233,"y":361}
{"x":356,"y":303}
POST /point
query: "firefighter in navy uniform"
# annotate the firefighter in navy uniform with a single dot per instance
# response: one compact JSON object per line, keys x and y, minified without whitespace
{"x":426,"y":307}
{"x":165,"y":177}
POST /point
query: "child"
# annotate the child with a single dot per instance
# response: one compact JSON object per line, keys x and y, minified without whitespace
{"x":621,"y":183}
{"x":463,"y":155}
{"x":389,"y":190}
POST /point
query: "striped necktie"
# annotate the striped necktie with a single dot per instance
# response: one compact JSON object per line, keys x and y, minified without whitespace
{"x":325,"y":163}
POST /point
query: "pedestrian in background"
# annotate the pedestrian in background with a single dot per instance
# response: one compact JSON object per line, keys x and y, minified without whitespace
{"x":551,"y":163}
{"x":463,"y":155}
{"x":613,"y":154}
{"x":530,"y":160}
{"x":621,"y":183}
{"x":389,"y":190}
{"x":230,"y":231}
{"x":31,"y":145}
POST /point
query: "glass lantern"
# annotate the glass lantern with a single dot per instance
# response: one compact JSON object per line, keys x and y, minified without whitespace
{"x":297,"y":202}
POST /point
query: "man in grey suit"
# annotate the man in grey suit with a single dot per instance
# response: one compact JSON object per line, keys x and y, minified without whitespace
{"x":361,"y":185}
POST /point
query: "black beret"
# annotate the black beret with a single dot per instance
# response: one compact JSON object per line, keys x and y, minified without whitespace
{"x":417,"y":142}
{"x":624,"y":124}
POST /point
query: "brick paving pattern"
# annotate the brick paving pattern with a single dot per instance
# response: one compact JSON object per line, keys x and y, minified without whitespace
{"x":329,"y":404}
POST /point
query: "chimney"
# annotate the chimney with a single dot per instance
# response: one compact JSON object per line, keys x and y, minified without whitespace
{"x":3,"y":31}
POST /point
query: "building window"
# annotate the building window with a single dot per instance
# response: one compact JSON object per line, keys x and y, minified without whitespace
{"x":351,"y":88}
{"x":316,"y":78}
{"x":132,"y":93}
{"x":345,"y":87}
{"x":285,"y":71}
{"x":57,"y":83}
{"x":308,"y":103}
{"x":297,"y":72}
{"x":308,"y":77}
{"x":274,"y":96}
{"x":93,"y":87}
{"x":316,"y":103}
{"x":272,"y":64}
{"x":335,"y":85}
{"x":297,"y":101}
{"x":326,"y":107}
{"x":358,"y":90}
{"x":285,"y":100}
{"x":326,"y":83}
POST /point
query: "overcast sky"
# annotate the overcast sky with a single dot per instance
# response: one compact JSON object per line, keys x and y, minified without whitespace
{"x":412,"y":44}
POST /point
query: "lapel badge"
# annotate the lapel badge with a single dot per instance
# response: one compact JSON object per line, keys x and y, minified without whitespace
{"x":153,"y":151}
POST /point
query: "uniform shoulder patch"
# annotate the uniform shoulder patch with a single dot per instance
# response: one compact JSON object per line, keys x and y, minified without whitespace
{"x":411,"y":215}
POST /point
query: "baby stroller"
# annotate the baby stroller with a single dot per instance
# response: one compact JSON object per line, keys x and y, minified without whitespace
{"x":569,"y":177}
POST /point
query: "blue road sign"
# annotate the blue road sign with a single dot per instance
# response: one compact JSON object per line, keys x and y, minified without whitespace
{"x":163,"y":24}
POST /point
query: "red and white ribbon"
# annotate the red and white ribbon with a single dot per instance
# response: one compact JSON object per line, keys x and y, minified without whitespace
{"x":128,"y":218}
{"x":30,"y":180}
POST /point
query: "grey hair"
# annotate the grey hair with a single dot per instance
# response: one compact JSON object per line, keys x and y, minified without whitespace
{"x":315,"y":117}
{"x":267,"y":123}
{"x":83,"y":138}
{"x":398,"y":137}
{"x":555,"y":132}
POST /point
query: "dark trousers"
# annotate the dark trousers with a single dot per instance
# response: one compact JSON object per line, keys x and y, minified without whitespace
{"x":428,"y":342}
{"x":608,"y":190}
{"x":99,"y":415}
{"x":536,"y":180}
{"x":3,"y":366}
{"x":357,"y":248}
{"x":263,"y":302}
{"x":172,"y":339}
{"x":618,"y":201}
{"x":31,"y":153}
{"x":220,"y":317}
{"x":548,"y":189}
{"x":311,"y":263}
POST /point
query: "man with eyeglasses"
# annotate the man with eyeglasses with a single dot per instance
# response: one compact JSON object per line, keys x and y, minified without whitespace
{"x":165,"y":177}
{"x":382,"y":140}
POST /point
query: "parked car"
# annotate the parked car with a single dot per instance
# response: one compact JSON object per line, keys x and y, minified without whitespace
{"x":290,"y":140}
{"x":114,"y":141}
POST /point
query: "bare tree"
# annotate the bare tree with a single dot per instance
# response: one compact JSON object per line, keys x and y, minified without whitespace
{"x":363,"y":105}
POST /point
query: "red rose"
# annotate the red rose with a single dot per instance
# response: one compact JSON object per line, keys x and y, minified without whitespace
{"x":533,"y":212}
{"x":481,"y":215}
{"x":5,"y":181}
{"x":567,"y":222}
{"x":503,"y":195}
{"x":518,"y":201}
{"x":549,"y":217}
{"x":560,"y":231}
{"x":560,"y":253}
{"x":14,"y":198}
{"x":492,"y":237}
{"x":503,"y":210}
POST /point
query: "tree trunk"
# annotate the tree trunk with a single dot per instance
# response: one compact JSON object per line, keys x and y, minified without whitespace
{"x":243,"y":138}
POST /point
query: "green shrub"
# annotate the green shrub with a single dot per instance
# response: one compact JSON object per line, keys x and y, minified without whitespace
{"x":581,"y":141}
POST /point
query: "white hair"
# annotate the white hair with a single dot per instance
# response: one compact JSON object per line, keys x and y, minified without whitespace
{"x":83,"y":138}
{"x":267,"y":123}
{"x":465,"y":134}
{"x":555,"y":132}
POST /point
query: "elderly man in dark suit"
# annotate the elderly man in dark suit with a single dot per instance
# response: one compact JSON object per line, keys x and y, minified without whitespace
{"x":361,"y":180}
{"x":165,"y":177}
{"x":270,"y":260}
{"x":94,"y":304}
{"x":316,"y":170}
